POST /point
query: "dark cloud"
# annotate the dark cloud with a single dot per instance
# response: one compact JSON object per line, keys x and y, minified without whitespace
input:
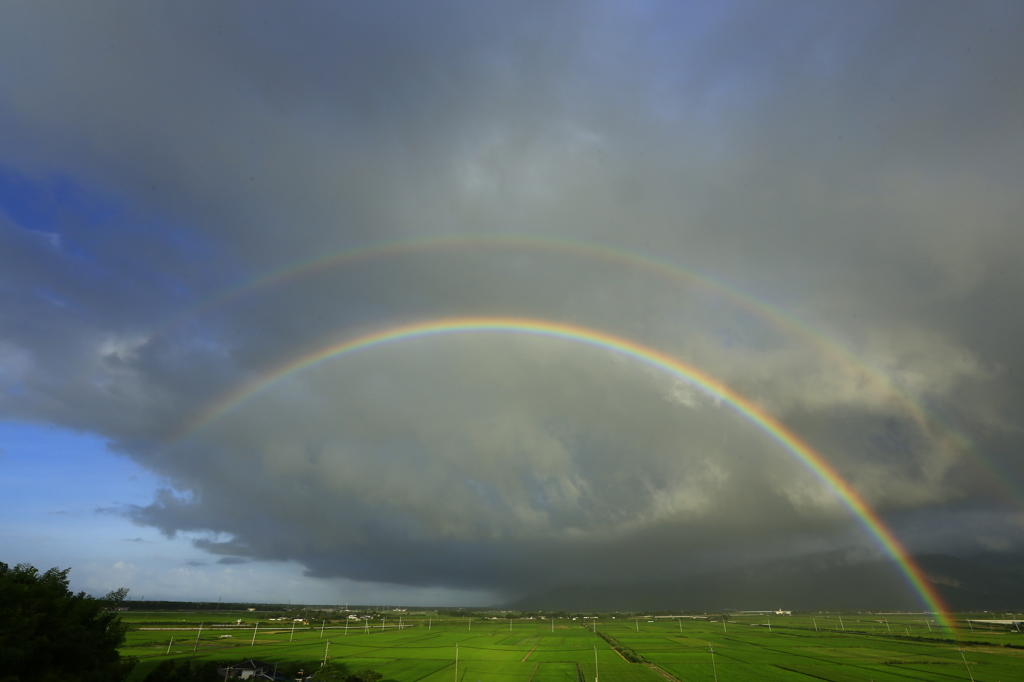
{"x":852,"y":169}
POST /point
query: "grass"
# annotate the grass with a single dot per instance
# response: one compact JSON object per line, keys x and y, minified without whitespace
{"x":801,"y":648}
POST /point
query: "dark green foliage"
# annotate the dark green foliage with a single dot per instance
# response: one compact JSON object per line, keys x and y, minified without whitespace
{"x":48,"y":633}
{"x":331,"y":674}
{"x":185,"y":671}
{"x":167,"y":671}
{"x":290,"y":670}
{"x":624,"y":651}
{"x":177,"y":670}
{"x":461,"y":613}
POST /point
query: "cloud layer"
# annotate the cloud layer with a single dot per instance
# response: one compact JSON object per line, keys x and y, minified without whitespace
{"x":817,"y":205}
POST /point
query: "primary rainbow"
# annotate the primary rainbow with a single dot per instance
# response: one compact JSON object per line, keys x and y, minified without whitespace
{"x":923,"y":417}
{"x":643,"y":354}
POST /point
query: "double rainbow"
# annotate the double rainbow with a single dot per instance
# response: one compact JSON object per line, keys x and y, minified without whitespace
{"x":640,"y":353}
{"x":925,"y":419}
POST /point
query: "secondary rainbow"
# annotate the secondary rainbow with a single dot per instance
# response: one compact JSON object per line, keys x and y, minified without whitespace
{"x":642,"y":354}
{"x":923,"y":417}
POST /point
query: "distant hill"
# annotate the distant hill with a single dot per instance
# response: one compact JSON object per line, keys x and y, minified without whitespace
{"x":822,"y":582}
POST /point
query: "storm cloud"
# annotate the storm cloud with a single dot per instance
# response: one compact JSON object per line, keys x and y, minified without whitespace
{"x":816,"y":204}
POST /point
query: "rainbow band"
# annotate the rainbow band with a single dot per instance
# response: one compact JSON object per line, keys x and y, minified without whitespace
{"x":645,"y":355}
{"x":998,"y":479}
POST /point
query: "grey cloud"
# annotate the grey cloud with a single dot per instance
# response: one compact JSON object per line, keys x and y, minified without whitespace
{"x":853,"y":167}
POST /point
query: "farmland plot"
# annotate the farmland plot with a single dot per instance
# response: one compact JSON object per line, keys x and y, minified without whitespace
{"x":554,"y":672}
{"x":425,"y":650}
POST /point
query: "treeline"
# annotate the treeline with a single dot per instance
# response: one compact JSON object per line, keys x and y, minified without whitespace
{"x":539,"y":615}
{"x":622,"y":649}
{"x":153,"y":605}
{"x":175,"y":670}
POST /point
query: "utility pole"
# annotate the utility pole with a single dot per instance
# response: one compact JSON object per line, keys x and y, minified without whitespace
{"x":253,"y":634}
{"x":292,"y":636}
{"x":595,"y":663}
{"x":322,"y":625}
{"x":326,"y":649}
{"x":969,"y":674}
{"x":456,"y":662}
{"x":196,"y":645}
{"x":713,"y":670}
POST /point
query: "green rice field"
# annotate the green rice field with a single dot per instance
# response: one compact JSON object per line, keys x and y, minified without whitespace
{"x":414,"y":647}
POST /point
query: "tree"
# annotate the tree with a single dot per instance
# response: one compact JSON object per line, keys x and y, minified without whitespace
{"x":186,"y":671}
{"x":50,"y":634}
{"x":329,"y":673}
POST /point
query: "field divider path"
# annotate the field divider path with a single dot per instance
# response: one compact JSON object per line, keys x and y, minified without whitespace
{"x":533,"y":672}
{"x":801,"y":672}
{"x":615,"y":646}
{"x":664,"y":673}
{"x":527,"y":656}
{"x":785,"y":652}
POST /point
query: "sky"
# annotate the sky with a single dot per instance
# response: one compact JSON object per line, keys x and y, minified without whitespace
{"x":815,"y":205}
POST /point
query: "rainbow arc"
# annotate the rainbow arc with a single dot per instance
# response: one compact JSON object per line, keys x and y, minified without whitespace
{"x":644,"y":355}
{"x":925,"y":419}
